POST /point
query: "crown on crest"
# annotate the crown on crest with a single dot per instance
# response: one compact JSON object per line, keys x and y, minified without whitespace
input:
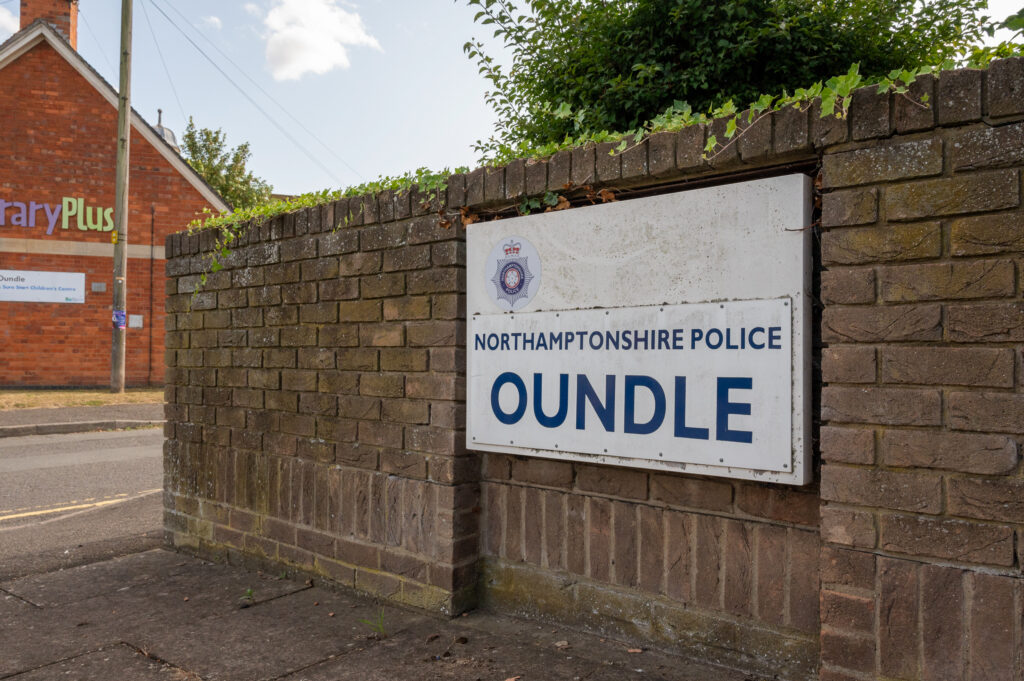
{"x":512,"y":248}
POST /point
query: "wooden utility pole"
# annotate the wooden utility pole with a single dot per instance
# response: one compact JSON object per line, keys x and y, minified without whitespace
{"x":120,"y":233}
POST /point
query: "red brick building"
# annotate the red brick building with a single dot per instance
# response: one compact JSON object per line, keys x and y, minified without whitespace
{"x":58,"y":126}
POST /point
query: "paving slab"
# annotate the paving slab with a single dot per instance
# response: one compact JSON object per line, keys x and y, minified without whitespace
{"x":160,"y":614}
{"x":116,"y":662}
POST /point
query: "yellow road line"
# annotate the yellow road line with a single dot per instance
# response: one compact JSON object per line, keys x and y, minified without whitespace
{"x":75,"y":507}
{"x":69,"y":501}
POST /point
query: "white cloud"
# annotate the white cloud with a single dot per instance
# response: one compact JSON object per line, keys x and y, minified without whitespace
{"x":312,"y":36}
{"x":213,"y":22}
{"x":253,"y":9}
{"x":8,"y":22}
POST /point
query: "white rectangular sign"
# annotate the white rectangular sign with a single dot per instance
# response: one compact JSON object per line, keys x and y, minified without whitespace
{"x":24,"y":286}
{"x":681,"y":383}
{"x":669,"y":332}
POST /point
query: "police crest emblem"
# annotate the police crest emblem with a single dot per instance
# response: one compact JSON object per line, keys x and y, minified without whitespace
{"x":514,"y":266}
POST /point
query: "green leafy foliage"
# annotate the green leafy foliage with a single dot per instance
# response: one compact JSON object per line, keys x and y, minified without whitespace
{"x":223,"y":169}
{"x":583,"y":66}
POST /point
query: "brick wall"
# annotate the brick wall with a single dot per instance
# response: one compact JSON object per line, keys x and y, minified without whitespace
{"x":921,"y":476}
{"x":317,"y":386}
{"x":58,"y":139}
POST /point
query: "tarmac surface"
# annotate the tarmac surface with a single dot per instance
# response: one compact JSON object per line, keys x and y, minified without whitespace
{"x":152,"y":614}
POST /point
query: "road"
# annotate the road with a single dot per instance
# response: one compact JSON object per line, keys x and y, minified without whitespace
{"x":71,"y":499}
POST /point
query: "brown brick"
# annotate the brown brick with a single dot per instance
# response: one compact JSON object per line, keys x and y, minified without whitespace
{"x":678,"y":566}
{"x":662,"y":153}
{"x":848,"y":527}
{"x":708,"y":561}
{"x":870,"y":115}
{"x":619,"y":482}
{"x":993,"y":638}
{"x":970,"y":193}
{"x":986,"y":234}
{"x":827,"y":130}
{"x":356,"y":359}
{"x":898,"y":618}
{"x":435,"y":333}
{"x":847,"y":568}
{"x":406,"y":258}
{"x":1005,"y":87}
{"x":359,"y":263}
{"x":849,"y":651}
{"x":884,"y":406}
{"x":848,"y":364}
{"x":575,"y":532}
{"x":959,"y":96}
{"x":848,"y":286}
{"x":791,"y":130}
{"x":738,"y":554}
{"x":915,"y":110}
{"x":560,"y":170}
{"x":599,"y":534}
{"x":382,"y":285}
{"x":985,"y":323}
{"x":888,"y":243}
{"x":536,"y":176}
{"x":778,"y":503}
{"x":624,"y":557}
{"x":407,"y":308}
{"x":360,"y":311}
{"x":356,"y":407}
{"x":997,"y":412}
{"x":382,"y":335}
{"x":989,"y":147}
{"x":382,"y":385}
{"x":533,"y":526}
{"x":770,"y":545}
{"x":554,"y":530}
{"x":975,"y":279}
{"x":651,"y":550}
{"x":847,"y":612}
{"x":868,"y":487}
{"x":676,"y":490}
{"x":534,"y":471}
{"x":690,"y":147}
{"x":804,"y":584}
{"x":583,"y":164}
{"x":986,"y":499}
{"x":984,"y":454}
{"x":754,"y":137}
{"x":608,"y":163}
{"x":948,"y":366}
{"x":949,"y":539}
{"x":437,"y":280}
{"x":849,"y":207}
{"x":492,"y":523}
{"x":847,"y":445}
{"x":440,"y":387}
{"x":942,"y":618}
{"x":403,"y":359}
{"x":885,"y":163}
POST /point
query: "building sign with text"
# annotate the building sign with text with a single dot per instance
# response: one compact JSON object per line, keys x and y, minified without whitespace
{"x":23,"y":286}
{"x":668,"y":332}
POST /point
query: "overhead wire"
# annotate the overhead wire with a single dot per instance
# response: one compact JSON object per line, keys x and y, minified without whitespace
{"x":269,"y":96}
{"x":167,"y":71}
{"x":96,"y":40}
{"x":283,"y":130}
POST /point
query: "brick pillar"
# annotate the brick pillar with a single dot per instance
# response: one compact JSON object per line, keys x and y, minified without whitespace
{"x":316,"y":401}
{"x":923,"y":400}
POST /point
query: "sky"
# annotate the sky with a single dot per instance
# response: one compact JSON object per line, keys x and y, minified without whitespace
{"x":354,"y":90}
{"x":378,"y":87}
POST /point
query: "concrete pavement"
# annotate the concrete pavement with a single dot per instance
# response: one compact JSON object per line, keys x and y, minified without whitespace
{"x":164,"y":615}
{"x":21,"y":422}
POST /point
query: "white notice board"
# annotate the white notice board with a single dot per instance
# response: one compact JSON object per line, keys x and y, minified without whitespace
{"x":24,"y":286}
{"x":669,"y":332}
